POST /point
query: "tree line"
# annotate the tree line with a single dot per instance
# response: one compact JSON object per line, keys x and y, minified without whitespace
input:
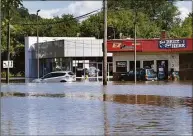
{"x":151,"y":17}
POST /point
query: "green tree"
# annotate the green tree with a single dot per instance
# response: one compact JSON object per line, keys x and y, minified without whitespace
{"x":120,"y":21}
{"x":187,"y":27}
{"x":163,"y":12}
{"x":69,"y":26}
{"x":182,"y":30}
{"x":93,"y":26}
{"x":7,"y":12}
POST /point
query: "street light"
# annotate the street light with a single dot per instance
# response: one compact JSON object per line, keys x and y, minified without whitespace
{"x":8,"y":46}
{"x":135,"y":42}
{"x":37,"y":44}
{"x":135,"y":37}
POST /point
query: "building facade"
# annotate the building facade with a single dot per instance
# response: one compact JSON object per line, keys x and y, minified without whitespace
{"x":165,"y":54}
{"x":79,"y":53}
{"x":64,"y":53}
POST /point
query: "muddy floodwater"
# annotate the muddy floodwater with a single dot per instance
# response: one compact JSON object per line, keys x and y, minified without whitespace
{"x":89,"y":108}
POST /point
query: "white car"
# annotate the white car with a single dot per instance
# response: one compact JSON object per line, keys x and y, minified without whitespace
{"x":57,"y":76}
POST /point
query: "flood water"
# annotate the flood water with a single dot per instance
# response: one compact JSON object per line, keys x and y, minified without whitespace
{"x":88,"y":108}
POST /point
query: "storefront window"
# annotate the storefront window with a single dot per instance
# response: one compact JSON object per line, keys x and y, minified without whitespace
{"x":149,"y":64}
{"x":100,"y":67}
{"x":66,"y":64}
{"x":121,"y":66}
{"x":132,"y":65}
{"x":110,"y":69}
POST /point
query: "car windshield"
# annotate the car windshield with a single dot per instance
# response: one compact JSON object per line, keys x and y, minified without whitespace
{"x":71,"y":73}
{"x":150,"y":72}
{"x":47,"y":76}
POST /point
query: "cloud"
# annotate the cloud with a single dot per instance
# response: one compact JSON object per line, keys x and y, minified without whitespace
{"x":48,"y":13}
{"x":185,"y":7}
{"x":82,"y":7}
{"x":75,"y":8}
{"x":184,"y":12}
{"x":50,"y":9}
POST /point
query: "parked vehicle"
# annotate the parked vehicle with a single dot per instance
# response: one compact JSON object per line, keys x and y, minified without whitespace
{"x":130,"y":76}
{"x":57,"y":76}
{"x":161,"y":75}
{"x":150,"y":75}
{"x":144,"y":74}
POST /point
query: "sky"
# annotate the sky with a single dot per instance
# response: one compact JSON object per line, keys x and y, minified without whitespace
{"x":49,"y":9}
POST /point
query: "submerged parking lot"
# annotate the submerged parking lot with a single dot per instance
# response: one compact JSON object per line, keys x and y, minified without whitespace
{"x":88,"y":108}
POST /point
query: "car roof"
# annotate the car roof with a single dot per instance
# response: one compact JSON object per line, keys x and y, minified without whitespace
{"x":60,"y":71}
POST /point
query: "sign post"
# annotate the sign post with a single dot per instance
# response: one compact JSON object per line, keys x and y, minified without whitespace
{"x":7,"y":64}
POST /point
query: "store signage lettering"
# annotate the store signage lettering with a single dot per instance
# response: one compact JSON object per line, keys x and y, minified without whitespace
{"x":117,"y":45}
{"x":172,"y":44}
{"x":127,"y":47}
{"x":121,"y":64}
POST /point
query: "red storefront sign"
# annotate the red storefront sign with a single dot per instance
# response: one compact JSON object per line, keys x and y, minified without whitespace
{"x":148,"y":45}
{"x":123,"y":46}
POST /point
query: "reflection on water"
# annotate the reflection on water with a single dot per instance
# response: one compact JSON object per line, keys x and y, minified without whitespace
{"x":48,"y":116}
{"x":168,"y":101}
{"x":150,"y":88}
{"x":119,"y":114}
{"x":123,"y":110}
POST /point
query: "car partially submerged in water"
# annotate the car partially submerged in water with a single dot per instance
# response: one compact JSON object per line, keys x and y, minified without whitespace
{"x":56,"y":77}
{"x":142,"y":74}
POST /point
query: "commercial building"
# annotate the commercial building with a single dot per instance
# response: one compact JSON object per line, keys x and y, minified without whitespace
{"x":64,"y":53}
{"x":79,"y":53}
{"x":159,"y":54}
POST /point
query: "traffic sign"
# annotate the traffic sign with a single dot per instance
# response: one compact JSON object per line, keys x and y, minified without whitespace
{"x":8,"y":64}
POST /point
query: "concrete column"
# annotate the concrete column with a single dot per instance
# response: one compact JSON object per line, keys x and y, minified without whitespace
{"x":128,"y":65}
{"x":155,"y":65}
{"x":141,"y":63}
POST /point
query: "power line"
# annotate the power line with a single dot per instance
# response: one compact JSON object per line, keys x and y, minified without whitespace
{"x":62,"y":21}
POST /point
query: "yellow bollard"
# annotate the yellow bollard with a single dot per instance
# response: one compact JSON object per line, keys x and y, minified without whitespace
{"x":86,"y":77}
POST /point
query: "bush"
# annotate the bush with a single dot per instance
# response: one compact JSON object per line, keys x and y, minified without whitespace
{"x":3,"y":74}
{"x":19,"y":74}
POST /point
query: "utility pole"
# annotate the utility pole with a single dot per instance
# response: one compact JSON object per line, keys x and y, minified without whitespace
{"x":105,"y":43}
{"x":37,"y":45}
{"x":0,"y":44}
{"x":135,"y":27}
{"x":8,"y":45}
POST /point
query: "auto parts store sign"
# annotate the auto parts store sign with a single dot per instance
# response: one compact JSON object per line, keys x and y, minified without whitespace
{"x":172,"y":44}
{"x":124,"y":46}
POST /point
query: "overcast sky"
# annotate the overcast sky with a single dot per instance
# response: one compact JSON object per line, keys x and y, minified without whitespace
{"x":57,"y":8}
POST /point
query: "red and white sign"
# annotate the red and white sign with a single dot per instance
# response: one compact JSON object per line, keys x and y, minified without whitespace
{"x":145,"y":45}
{"x":123,"y":46}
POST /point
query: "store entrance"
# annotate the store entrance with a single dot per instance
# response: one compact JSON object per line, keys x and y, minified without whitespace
{"x":162,"y":69}
{"x":132,"y":65}
{"x":149,"y":64}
